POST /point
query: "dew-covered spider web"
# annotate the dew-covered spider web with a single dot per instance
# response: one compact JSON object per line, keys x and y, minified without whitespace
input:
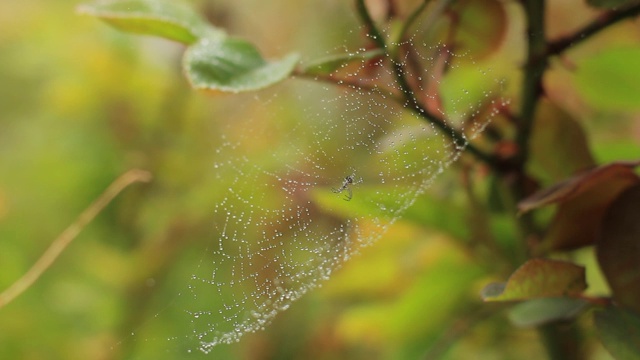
{"x":313,"y":172}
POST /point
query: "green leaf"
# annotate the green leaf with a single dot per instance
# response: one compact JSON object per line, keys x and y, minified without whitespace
{"x":610,"y":80}
{"x":541,"y":311}
{"x":619,"y":331}
{"x":233,"y":65}
{"x":539,"y":278}
{"x":164,"y":19}
{"x":332,"y":63}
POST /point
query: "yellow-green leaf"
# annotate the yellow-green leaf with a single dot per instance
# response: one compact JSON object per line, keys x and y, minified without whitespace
{"x":539,"y":278}
{"x":158,"y":18}
{"x":610,"y":79}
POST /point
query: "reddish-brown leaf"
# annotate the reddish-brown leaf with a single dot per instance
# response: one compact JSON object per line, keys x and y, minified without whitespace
{"x":579,"y":184}
{"x":583,"y":201}
{"x":618,"y":248}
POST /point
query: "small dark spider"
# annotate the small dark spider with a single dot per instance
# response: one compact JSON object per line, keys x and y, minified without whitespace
{"x":349,"y":180}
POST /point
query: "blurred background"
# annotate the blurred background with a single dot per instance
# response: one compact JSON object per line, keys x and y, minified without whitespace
{"x":81,"y":103}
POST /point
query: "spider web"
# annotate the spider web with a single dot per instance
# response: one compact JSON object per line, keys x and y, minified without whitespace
{"x":280,"y":228}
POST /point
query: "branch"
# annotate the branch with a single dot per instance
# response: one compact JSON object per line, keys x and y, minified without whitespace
{"x":533,"y":71}
{"x":70,"y":233}
{"x":600,"y":23}
{"x":410,"y":100}
{"x":372,"y":29}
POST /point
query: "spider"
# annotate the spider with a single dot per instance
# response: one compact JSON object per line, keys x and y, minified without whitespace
{"x":349,"y":180}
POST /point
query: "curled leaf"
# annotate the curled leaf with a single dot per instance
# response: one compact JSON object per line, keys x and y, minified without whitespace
{"x":578,"y":184}
{"x":539,"y":278}
{"x":151,"y":17}
{"x":233,"y":65}
{"x":583,"y":200}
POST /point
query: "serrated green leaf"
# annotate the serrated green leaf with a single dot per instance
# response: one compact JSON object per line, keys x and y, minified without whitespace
{"x":539,"y":278}
{"x":541,"y":311}
{"x":619,"y":331}
{"x":158,"y":18}
{"x":233,"y":65}
{"x":332,"y":63}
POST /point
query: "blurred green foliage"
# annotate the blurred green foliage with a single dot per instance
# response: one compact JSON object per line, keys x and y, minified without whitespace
{"x":81,"y":103}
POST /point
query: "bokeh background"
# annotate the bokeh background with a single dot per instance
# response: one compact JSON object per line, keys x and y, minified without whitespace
{"x":81,"y":103}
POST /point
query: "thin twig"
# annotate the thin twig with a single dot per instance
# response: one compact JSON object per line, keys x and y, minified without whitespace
{"x":412,"y":18}
{"x":600,"y":23}
{"x":410,"y":100}
{"x":533,"y":71}
{"x":372,"y":29}
{"x":70,"y":233}
{"x":351,"y":84}
{"x":433,"y":15}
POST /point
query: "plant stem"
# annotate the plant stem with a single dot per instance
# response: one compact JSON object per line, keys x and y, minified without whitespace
{"x":410,"y":100}
{"x":371,"y":27}
{"x":534,"y":68}
{"x":600,"y":23}
{"x":70,"y":233}
{"x":559,"y":344}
